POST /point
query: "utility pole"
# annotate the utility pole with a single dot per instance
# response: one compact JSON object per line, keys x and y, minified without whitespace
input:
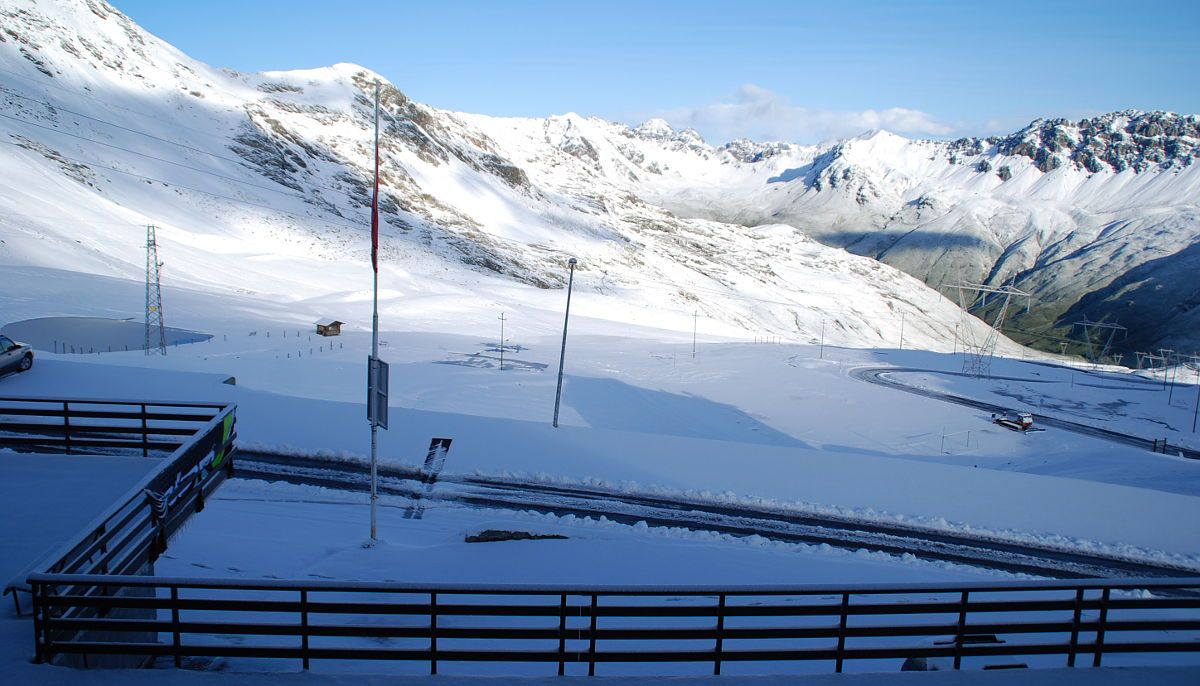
{"x":562,"y":355}
{"x":1174,"y":374}
{"x":1166,"y":360}
{"x":154,"y":314}
{"x":902,"y":331}
{"x":501,"y":341}
{"x":695,"y":320}
{"x":822,"y":356}
{"x":1196,"y":410}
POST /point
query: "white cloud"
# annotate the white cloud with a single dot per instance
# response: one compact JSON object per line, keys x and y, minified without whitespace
{"x":761,"y":114}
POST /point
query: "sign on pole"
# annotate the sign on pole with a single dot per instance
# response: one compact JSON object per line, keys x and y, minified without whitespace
{"x":377,"y":392}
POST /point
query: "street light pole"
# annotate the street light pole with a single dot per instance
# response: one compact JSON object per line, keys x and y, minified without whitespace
{"x":501,"y":318}
{"x":695,"y":319}
{"x":562,"y":355}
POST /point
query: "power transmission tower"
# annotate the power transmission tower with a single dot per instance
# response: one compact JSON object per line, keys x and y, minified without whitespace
{"x":1090,"y":340}
{"x":977,"y":354}
{"x":154,"y":314}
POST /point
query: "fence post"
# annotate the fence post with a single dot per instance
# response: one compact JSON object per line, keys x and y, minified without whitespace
{"x":962,"y":623}
{"x":841,"y":642}
{"x":1075,"y":628}
{"x":720,"y":635}
{"x":562,"y":635}
{"x":592,"y":642}
{"x":47,"y":614}
{"x":1100,"y":628}
{"x":145,"y":434}
{"x":175,"y":641}
{"x":39,"y":655}
{"x":433,"y":633}
{"x":67,"y":425}
{"x":304,"y":626}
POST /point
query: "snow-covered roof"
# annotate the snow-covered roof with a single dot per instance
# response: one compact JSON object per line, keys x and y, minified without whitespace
{"x":328,"y":321}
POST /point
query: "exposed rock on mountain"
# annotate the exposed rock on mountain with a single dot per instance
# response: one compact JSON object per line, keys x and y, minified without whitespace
{"x":127,"y":130}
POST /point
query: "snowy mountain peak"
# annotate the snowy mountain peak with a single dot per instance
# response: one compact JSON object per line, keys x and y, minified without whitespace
{"x":281,"y":162}
{"x":654,"y":128}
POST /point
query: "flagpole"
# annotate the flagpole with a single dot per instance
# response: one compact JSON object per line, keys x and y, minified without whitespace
{"x":375,"y":319}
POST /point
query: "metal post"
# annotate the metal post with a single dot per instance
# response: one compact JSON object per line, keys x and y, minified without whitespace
{"x":562,"y":635}
{"x":1174,"y":373}
{"x":822,"y":355}
{"x":1075,"y":620}
{"x":175,"y":642}
{"x":962,"y":623}
{"x":1101,"y":626}
{"x":562,"y":356}
{"x":841,"y":639}
{"x":36,"y":595}
{"x":304,"y":627}
{"x":375,"y":340}
{"x":1196,"y":410}
{"x":720,"y":636}
{"x":695,"y":319}
{"x":145,"y":434}
{"x":433,"y":625}
{"x":902,"y":331}
{"x":592,"y":642}
{"x":501,"y":341}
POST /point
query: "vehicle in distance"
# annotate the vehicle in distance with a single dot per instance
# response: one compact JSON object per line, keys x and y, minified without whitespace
{"x":14,"y":357}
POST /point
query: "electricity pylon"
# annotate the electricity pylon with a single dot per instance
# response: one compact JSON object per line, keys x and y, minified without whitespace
{"x":154,"y":314}
{"x":1088,"y":327}
{"x":977,"y":354}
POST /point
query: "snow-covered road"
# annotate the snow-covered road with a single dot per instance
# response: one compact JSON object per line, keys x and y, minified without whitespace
{"x":739,"y":520}
{"x":886,"y":376}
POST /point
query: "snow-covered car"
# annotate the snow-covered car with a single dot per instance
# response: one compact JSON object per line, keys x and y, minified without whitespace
{"x":14,"y":357}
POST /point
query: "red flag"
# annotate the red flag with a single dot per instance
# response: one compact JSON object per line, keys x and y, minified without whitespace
{"x":375,"y":216}
{"x":375,"y":195}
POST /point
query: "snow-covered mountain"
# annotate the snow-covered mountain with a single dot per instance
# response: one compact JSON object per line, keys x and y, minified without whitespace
{"x":1096,"y":218}
{"x":260,"y":184}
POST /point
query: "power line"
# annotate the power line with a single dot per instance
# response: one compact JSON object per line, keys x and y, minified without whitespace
{"x":223,"y":139}
{"x":152,"y":157}
{"x":77,"y":93}
{"x":168,"y":141}
{"x":196,"y":190}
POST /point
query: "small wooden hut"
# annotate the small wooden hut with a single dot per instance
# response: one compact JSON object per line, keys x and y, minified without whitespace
{"x":329,"y":327}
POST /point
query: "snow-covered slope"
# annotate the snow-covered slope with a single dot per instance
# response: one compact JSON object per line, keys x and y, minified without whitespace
{"x":1064,"y":209}
{"x":259,"y":185}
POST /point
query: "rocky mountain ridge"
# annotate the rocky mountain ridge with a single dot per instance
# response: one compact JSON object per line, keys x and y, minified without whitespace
{"x":283,"y":159}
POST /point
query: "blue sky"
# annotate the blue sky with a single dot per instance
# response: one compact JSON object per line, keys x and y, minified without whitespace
{"x":803,"y":71}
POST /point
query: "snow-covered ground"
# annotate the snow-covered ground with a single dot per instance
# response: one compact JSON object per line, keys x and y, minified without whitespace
{"x":777,"y":425}
{"x":668,"y":390}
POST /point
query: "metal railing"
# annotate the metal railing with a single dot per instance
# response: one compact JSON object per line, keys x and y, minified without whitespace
{"x":965,"y":624}
{"x":193,"y":441}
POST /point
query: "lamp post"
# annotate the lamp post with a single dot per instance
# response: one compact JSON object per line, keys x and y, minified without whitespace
{"x":562,"y":355}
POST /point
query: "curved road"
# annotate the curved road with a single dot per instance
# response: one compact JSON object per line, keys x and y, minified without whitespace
{"x":879,"y":376}
{"x":496,"y":493}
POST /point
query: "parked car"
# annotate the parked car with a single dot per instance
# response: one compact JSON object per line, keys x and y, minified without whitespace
{"x":14,"y":357}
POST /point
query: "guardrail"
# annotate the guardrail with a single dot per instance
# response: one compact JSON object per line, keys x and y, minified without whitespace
{"x":194,"y":441}
{"x":966,"y":624}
